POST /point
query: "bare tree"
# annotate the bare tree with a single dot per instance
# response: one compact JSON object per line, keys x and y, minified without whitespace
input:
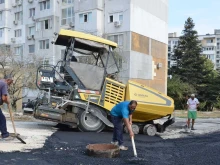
{"x":22,"y":71}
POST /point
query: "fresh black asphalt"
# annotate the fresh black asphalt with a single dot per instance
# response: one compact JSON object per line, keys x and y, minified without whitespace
{"x":67,"y":147}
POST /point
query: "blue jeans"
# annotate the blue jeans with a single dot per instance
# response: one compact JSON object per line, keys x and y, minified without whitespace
{"x":3,"y":127}
{"x":118,"y":129}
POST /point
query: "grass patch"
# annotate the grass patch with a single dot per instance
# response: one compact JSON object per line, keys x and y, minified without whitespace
{"x":200,"y":114}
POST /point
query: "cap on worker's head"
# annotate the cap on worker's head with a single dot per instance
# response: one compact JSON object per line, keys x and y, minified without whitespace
{"x":192,"y":95}
{"x":8,"y":77}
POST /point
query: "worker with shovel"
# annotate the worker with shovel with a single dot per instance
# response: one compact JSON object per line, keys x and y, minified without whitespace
{"x":4,"y":83}
{"x":122,"y":111}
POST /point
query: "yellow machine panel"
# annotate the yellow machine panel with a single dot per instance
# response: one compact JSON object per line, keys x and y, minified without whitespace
{"x":114,"y":93}
{"x":151,"y":103}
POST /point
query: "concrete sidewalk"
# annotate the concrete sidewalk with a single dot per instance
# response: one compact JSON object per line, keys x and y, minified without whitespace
{"x":33,"y":133}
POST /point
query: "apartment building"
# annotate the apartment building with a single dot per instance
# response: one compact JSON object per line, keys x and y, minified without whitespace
{"x":139,"y":27}
{"x":210,"y":47}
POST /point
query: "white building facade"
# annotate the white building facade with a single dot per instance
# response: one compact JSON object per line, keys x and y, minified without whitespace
{"x":210,"y":44}
{"x":139,"y":27}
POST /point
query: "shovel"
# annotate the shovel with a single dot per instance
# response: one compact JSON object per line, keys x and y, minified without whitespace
{"x":13,"y":124}
{"x":133,"y":145}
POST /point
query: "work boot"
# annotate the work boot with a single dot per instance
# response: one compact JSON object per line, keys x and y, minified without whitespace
{"x":115,"y":143}
{"x":193,"y":128}
{"x":8,"y":138}
{"x":123,"y":148}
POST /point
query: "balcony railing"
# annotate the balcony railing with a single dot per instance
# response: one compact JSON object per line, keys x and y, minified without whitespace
{"x":217,"y":65}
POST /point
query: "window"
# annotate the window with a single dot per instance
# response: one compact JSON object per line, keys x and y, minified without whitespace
{"x":2,"y":1}
{"x":217,"y":61}
{"x":169,"y":64}
{"x":43,"y":25}
{"x":117,"y":38}
{"x":44,"y":44}
{"x":31,"y":30}
{"x":0,"y":15}
{"x":31,"y":48}
{"x":32,"y":12}
{"x":218,"y":39}
{"x":111,"y":18}
{"x":120,"y":17}
{"x":18,"y":50}
{"x":67,"y":15}
{"x":87,"y":17}
{"x":46,"y":24}
{"x":209,"y":41}
{"x":45,"y":5}
{"x":115,"y":17}
{"x":65,"y":2}
{"x":18,"y":33}
{"x":1,"y":32}
{"x":169,"y":42}
{"x":18,"y":16}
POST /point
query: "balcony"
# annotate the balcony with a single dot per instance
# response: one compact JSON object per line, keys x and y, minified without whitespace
{"x":211,"y":44}
{"x":209,"y":51}
{"x":217,"y":65}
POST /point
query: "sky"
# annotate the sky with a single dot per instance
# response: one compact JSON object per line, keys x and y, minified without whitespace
{"x":205,"y":14}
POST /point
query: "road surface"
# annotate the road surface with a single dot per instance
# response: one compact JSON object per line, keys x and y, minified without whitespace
{"x":67,"y":146}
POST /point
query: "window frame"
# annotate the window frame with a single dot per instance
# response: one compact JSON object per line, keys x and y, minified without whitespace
{"x":67,"y":2}
{"x":18,"y":16}
{"x":42,"y":26}
{"x":18,"y":33}
{"x":67,"y":18}
{"x":19,"y":48}
{"x":45,"y":5}
{"x":44,"y":44}
{"x":1,"y":16}
{"x":29,"y":30}
{"x":1,"y":32}
{"x":29,"y":49}
{"x":88,"y":14}
{"x":31,"y":12}
{"x":120,"y":44}
{"x":111,"y":16}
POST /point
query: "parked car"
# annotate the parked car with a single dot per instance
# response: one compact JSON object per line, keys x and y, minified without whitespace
{"x":28,"y":107}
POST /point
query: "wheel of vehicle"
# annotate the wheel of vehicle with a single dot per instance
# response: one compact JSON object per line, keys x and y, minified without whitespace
{"x":135,"y":129}
{"x":89,"y":122}
{"x":149,"y":130}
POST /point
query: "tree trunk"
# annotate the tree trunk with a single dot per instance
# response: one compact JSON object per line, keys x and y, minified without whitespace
{"x":14,"y":106}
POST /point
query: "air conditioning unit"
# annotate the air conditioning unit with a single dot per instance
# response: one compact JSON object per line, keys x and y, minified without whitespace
{"x":14,"y":4}
{"x":159,"y":65}
{"x":19,"y":2}
{"x":29,"y":37}
{"x":30,"y":1}
{"x":12,"y":39}
{"x":15,"y":22}
{"x":33,"y":18}
{"x":117,"y":23}
{"x":71,"y":24}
